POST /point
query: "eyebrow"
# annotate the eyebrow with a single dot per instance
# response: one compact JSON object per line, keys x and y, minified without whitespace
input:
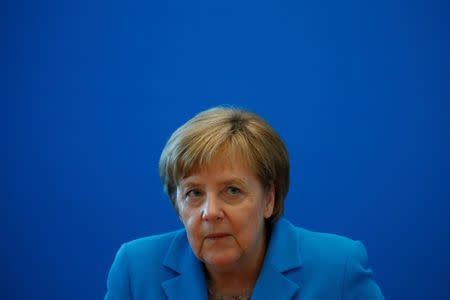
{"x":187,"y":183}
{"x":234,"y":180}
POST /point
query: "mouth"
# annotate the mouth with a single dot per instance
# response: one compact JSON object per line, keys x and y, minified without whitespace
{"x":217,"y":236}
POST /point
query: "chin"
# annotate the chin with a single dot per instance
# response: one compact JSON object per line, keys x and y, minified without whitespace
{"x":221,"y":261}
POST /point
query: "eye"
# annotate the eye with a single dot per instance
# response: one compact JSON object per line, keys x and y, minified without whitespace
{"x":193,"y":193}
{"x":233,"y":191}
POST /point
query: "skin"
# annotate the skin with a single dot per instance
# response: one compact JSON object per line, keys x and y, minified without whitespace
{"x":223,"y":208}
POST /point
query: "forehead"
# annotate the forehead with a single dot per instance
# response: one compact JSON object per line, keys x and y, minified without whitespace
{"x":225,"y":166}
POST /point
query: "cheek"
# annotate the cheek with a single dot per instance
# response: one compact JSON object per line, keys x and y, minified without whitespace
{"x":192,"y":226}
{"x":251,"y":227}
{"x":185,"y":215}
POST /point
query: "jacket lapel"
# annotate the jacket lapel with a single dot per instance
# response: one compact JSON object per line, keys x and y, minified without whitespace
{"x":190,"y":281}
{"x":282,"y":256}
{"x":274,"y":285}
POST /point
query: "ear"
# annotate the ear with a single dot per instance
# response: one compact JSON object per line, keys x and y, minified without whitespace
{"x":269,"y":201}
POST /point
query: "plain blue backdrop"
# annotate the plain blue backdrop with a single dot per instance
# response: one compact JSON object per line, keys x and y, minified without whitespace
{"x":358,"y":91}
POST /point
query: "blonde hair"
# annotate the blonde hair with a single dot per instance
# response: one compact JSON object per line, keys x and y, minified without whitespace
{"x":196,"y":143}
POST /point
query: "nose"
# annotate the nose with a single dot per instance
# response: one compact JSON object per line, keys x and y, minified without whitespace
{"x":212,"y":209}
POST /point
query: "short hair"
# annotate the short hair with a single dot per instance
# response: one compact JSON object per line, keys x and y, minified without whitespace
{"x":197,"y":142}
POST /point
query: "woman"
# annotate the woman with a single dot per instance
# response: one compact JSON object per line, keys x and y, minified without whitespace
{"x":226,"y":172}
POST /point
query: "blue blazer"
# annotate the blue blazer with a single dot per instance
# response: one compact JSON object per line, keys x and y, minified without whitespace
{"x":299,"y":264}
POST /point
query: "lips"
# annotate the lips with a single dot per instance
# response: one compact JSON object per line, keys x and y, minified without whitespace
{"x":216,"y":236}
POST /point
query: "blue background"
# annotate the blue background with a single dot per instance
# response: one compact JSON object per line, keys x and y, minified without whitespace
{"x":358,"y":91}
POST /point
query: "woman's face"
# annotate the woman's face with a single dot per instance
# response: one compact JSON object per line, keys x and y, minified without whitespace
{"x":223,"y":208}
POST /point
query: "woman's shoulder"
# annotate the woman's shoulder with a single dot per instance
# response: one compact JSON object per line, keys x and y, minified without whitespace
{"x":149,"y":242}
{"x":139,"y":266}
{"x":323,"y":264}
{"x":324,"y":240}
{"x":150,"y":250}
{"x":319,"y":247}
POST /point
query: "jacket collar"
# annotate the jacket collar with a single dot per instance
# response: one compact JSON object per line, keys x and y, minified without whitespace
{"x":190,"y":283}
{"x":282,"y":256}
